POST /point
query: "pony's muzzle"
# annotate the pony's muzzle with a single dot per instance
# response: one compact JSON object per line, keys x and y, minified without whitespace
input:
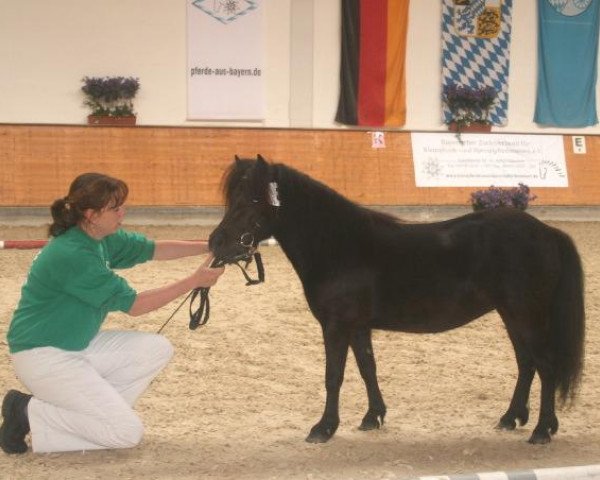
{"x":229,"y":248}
{"x":216,"y":240}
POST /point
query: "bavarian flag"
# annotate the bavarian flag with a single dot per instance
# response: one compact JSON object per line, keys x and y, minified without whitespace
{"x":372,"y":74}
{"x":476,"y":37}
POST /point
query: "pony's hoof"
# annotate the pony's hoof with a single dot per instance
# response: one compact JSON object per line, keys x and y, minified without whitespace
{"x":512,"y":418}
{"x":312,"y":438}
{"x":506,"y":425}
{"x":543,"y":432}
{"x":371,"y":422}
{"x":538,"y":438}
{"x":320,"y":434}
{"x":367,"y":425}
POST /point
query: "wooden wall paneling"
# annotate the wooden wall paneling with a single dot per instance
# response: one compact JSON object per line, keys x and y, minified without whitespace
{"x":184,"y":166}
{"x":7,"y":167}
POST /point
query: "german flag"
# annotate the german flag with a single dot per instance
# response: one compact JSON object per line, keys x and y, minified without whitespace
{"x":372,"y":74}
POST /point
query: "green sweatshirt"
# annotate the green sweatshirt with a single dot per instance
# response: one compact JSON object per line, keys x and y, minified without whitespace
{"x":71,"y":287}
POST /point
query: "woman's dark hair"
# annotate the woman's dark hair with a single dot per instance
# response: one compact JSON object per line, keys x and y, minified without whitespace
{"x":88,"y":190}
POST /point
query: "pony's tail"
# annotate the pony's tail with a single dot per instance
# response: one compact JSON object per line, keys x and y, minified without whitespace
{"x":568,"y":322}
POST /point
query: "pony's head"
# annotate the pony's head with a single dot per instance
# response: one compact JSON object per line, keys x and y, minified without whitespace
{"x":251,"y":203}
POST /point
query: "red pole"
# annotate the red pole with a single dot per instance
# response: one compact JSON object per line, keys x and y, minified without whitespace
{"x":22,"y":244}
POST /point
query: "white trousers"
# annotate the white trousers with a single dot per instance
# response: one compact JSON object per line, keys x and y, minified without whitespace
{"x":83,"y":400}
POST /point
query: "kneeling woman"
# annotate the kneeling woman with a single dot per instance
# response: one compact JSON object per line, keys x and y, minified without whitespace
{"x":84,"y":382}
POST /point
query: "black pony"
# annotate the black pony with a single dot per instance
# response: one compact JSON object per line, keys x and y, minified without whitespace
{"x":362,"y":269}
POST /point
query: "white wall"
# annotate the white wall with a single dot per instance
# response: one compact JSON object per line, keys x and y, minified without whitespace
{"x":46,"y":47}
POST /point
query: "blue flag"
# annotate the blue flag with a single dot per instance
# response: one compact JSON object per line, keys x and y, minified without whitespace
{"x":567,"y":63}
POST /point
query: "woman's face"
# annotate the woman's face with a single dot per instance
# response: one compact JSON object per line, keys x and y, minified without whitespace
{"x":106,"y":221}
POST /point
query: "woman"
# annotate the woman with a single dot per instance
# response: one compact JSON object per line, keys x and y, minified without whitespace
{"x":85,"y":381}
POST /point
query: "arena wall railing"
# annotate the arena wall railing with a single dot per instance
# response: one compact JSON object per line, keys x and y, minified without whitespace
{"x":183,"y":166}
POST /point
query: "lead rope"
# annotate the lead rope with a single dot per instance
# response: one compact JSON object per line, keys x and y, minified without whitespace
{"x":201,"y":315}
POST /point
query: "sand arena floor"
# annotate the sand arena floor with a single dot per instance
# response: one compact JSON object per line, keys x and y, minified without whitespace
{"x":241,"y":394}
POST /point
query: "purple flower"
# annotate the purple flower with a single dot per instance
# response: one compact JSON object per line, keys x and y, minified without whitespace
{"x":110,"y":95}
{"x":468,"y":104}
{"x":494,"y":197}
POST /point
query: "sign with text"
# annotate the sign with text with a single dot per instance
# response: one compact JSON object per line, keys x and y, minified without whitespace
{"x":225,"y":60}
{"x":483,"y":160}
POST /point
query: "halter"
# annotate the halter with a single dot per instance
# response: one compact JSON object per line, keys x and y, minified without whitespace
{"x":200,"y":315}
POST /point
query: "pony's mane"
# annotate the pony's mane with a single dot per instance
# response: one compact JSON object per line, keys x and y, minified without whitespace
{"x":317,"y":226}
{"x":305,"y":196}
{"x":315,"y":192}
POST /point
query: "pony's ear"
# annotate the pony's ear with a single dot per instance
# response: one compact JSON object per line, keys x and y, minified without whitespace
{"x":237,"y":159}
{"x":261,"y":165}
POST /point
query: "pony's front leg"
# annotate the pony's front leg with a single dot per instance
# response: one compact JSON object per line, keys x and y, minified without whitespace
{"x":336,"y":339}
{"x":365,"y":359}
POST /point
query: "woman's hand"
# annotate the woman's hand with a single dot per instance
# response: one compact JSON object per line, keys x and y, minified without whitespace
{"x":206,"y":276}
{"x":150,"y":300}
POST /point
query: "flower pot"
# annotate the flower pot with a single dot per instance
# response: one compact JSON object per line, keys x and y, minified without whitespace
{"x":474,"y":127}
{"x":111,"y":120}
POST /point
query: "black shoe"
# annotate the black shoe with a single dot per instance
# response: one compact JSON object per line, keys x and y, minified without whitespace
{"x":16,"y":424}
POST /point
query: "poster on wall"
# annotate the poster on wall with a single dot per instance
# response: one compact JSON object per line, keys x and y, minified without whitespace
{"x":480,"y":160}
{"x":225,"y":48}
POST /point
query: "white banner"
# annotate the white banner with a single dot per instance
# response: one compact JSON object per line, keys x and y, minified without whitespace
{"x":483,"y":160}
{"x":225,"y":60}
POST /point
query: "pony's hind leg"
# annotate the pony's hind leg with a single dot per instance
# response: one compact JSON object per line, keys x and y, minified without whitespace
{"x":532,"y":356}
{"x":365,"y":359}
{"x":518,"y":410}
{"x":547,"y":423}
{"x":336,"y":338}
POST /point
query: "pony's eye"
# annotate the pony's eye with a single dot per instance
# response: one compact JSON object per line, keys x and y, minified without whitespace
{"x":255,"y":200}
